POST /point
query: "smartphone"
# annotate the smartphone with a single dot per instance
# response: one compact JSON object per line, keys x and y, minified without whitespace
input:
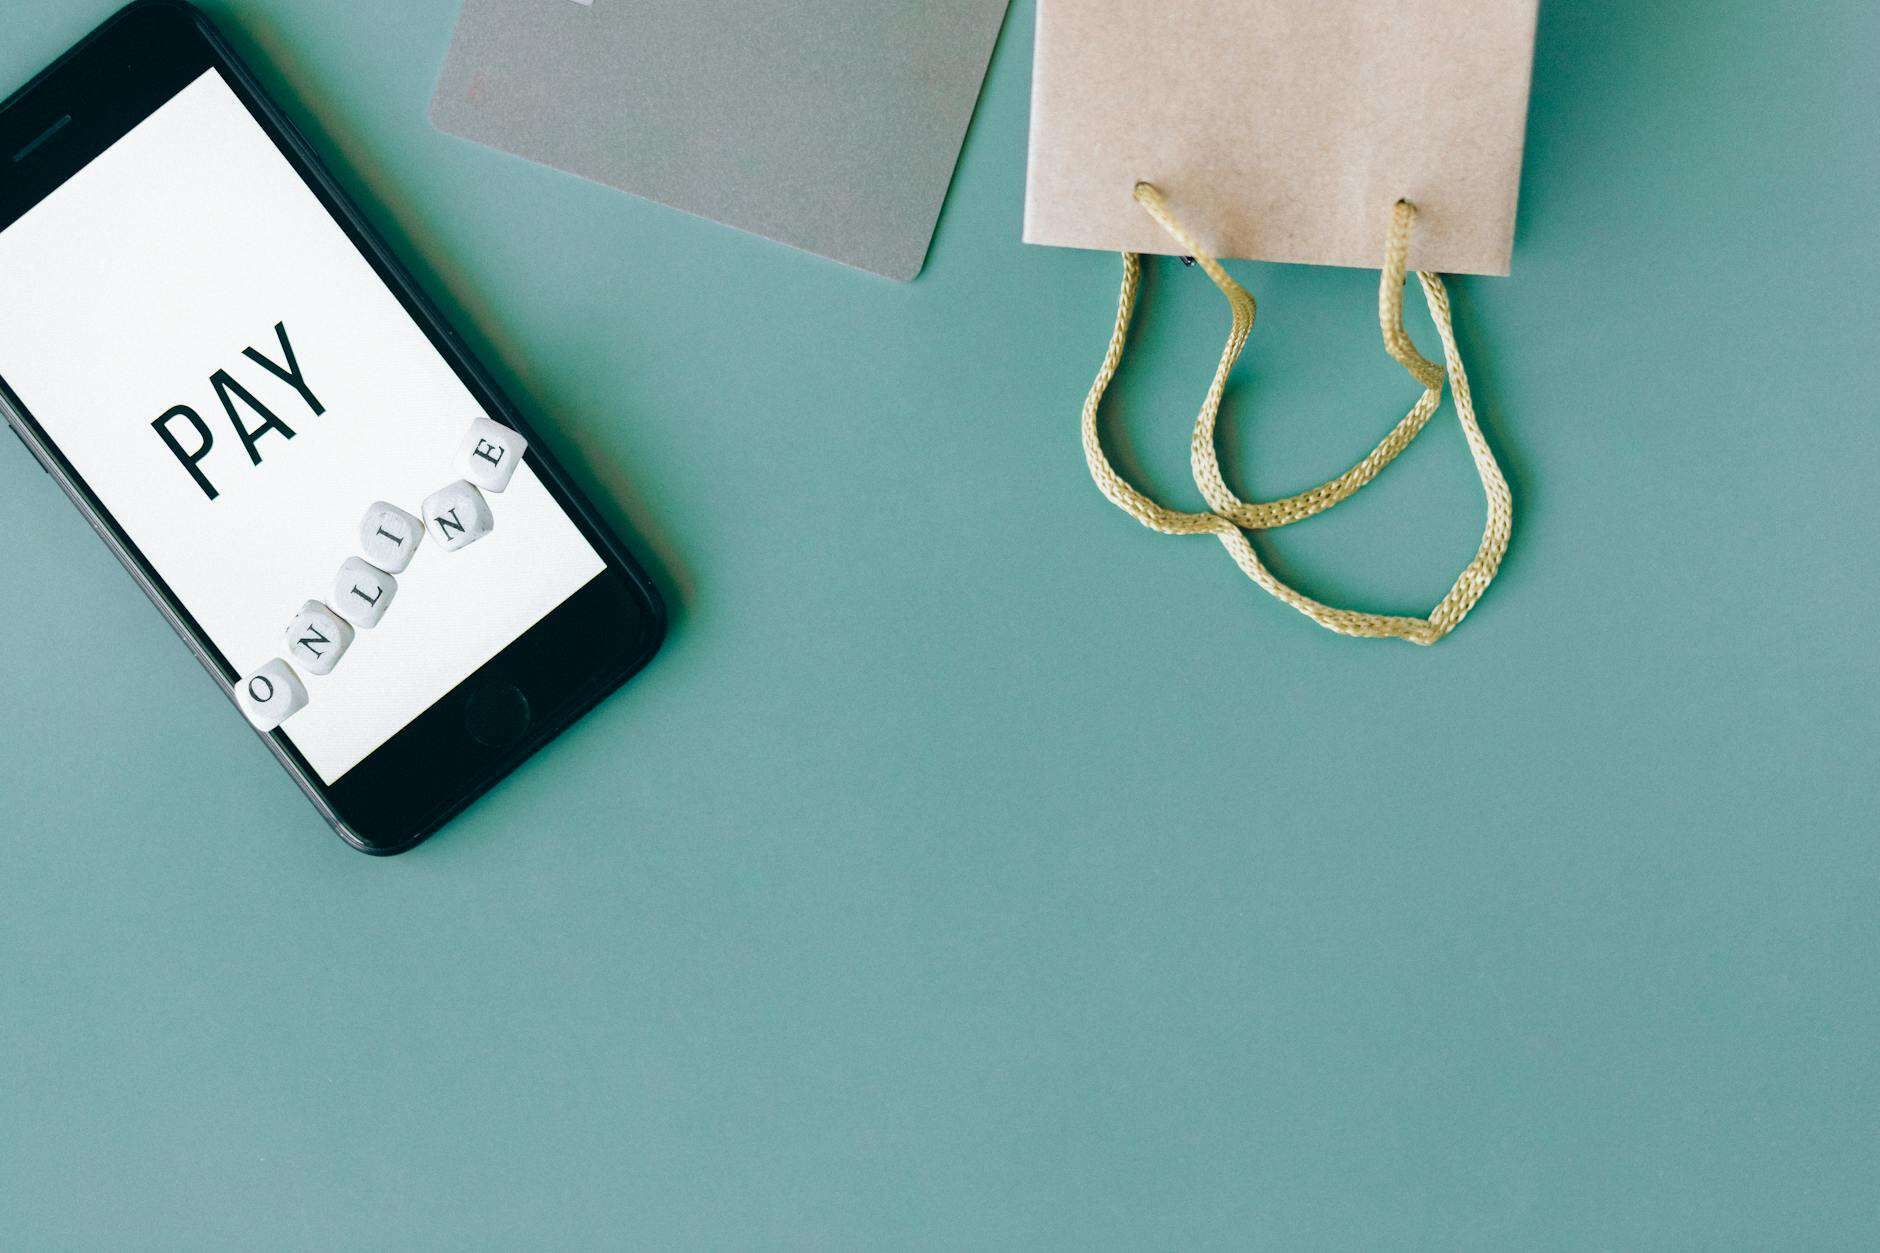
{"x":233,"y":379}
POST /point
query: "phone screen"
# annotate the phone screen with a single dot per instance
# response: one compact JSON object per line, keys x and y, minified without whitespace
{"x":190,"y":266}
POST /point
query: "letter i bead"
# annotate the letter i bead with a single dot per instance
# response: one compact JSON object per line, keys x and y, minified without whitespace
{"x":389,"y":537}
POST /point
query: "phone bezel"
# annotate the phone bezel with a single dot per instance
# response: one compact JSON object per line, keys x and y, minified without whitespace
{"x":565,"y":664}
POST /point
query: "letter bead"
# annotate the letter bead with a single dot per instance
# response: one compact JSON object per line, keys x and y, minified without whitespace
{"x":271,"y":695}
{"x":317,"y":638}
{"x":362,"y":592}
{"x":489,"y":454}
{"x":458,"y":515}
{"x":389,"y":537}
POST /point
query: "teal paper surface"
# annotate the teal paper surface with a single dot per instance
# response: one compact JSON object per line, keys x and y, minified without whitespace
{"x":975,"y":869}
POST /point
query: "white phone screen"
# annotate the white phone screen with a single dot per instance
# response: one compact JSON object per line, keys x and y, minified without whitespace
{"x":135,"y":288}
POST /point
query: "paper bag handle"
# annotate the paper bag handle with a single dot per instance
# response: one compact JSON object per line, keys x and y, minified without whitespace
{"x":1229,"y":514}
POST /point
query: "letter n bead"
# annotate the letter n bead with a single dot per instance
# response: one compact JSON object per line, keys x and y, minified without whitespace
{"x":489,"y":454}
{"x":317,"y":638}
{"x":271,"y":695}
{"x":458,"y":516}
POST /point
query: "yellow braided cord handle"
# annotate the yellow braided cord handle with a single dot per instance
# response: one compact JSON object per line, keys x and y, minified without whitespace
{"x":1229,"y":513}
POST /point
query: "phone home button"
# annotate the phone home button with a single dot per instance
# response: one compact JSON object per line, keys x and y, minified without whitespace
{"x":496,"y":715}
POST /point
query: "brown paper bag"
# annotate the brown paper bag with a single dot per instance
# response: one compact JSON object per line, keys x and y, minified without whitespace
{"x":1335,"y":132}
{"x":1284,"y":130}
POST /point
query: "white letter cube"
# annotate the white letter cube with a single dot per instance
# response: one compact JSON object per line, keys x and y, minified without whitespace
{"x":389,"y":537}
{"x":489,"y":454}
{"x":317,"y":638}
{"x":362,"y":592}
{"x":271,"y":695}
{"x":458,"y":516}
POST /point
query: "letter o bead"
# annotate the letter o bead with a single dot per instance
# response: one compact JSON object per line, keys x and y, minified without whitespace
{"x":271,"y":695}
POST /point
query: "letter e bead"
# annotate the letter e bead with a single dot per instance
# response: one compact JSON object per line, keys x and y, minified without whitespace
{"x":489,"y":454}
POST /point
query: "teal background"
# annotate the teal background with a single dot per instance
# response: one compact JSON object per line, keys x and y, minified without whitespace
{"x":975,"y":868}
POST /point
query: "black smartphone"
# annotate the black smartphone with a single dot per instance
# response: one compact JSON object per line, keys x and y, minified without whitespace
{"x":257,"y":409}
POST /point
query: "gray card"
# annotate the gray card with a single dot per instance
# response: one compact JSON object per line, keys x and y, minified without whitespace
{"x":830,"y":125}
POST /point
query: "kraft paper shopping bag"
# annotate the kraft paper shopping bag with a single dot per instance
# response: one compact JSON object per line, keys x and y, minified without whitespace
{"x":1336,"y":132}
{"x":1285,"y":129}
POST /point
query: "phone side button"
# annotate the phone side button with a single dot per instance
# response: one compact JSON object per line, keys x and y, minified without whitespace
{"x":496,"y":715}
{"x":28,"y":447}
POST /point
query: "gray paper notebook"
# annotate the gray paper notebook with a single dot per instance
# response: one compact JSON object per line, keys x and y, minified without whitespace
{"x":830,"y":125}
